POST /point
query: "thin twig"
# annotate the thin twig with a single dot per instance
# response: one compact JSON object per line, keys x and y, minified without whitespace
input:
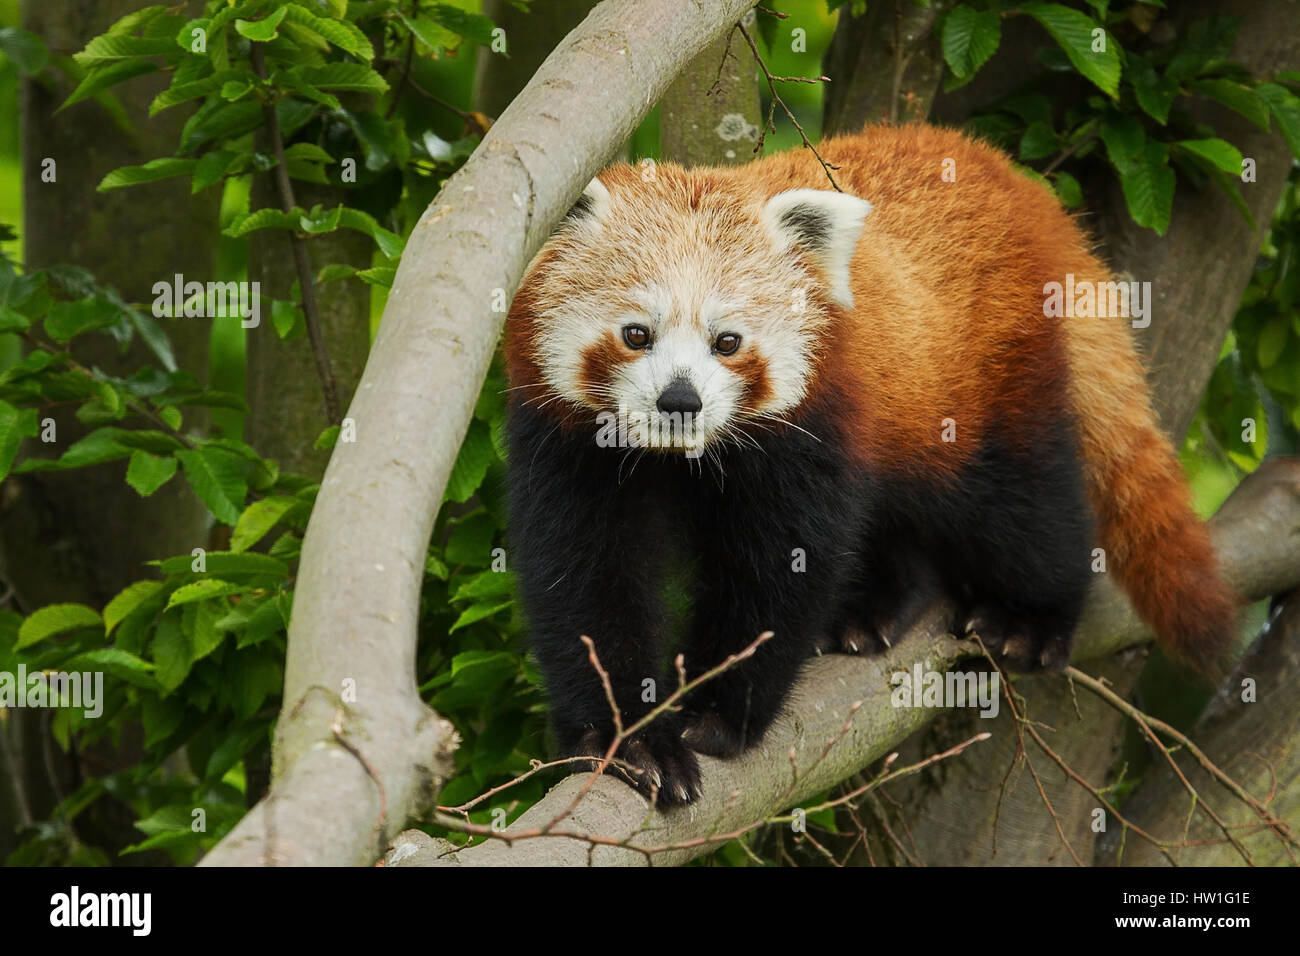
{"x":310,"y":309}
{"x":776,"y":99}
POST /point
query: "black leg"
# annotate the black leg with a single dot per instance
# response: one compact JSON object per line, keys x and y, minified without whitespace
{"x":591,"y":551}
{"x":776,"y":547}
{"x":1023,"y":546}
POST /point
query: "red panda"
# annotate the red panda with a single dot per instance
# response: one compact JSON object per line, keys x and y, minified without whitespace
{"x":823,"y":404}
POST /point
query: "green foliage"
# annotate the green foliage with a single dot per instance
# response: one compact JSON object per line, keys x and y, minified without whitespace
{"x":1149,"y":139}
{"x":194,"y":651}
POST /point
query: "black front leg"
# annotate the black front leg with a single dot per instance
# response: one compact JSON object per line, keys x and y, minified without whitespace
{"x":777,"y":550}
{"x":590,"y":547}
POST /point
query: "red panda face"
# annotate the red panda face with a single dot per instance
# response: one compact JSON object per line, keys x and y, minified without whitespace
{"x":685,"y":302}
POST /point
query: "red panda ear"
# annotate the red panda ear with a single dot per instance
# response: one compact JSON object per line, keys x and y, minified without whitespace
{"x":590,"y":208}
{"x":825,"y":224}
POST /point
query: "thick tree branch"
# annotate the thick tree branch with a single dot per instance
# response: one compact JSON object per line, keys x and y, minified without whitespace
{"x":357,"y":600}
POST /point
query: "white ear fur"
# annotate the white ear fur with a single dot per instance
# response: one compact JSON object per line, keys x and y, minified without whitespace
{"x":591,"y":207}
{"x":827,"y":224}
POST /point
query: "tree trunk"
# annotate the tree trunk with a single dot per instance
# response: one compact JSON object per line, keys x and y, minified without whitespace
{"x":710,"y":115}
{"x":286,"y":403}
{"x":885,"y":65}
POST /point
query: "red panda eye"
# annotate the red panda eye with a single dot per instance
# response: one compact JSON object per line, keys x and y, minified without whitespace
{"x":636,"y":336}
{"x":726,"y":343}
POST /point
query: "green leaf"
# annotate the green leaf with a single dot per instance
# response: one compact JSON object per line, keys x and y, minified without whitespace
{"x":343,"y":34}
{"x":24,"y":48}
{"x":1285,"y":107}
{"x":163,"y":168}
{"x":309,"y":152}
{"x":227,"y":564}
{"x":433,"y":35}
{"x":1073,"y":32}
{"x":1068,"y":190}
{"x":378,"y":275}
{"x":99,"y":446}
{"x":1235,"y":96}
{"x":1272,"y":342}
{"x":287,"y":319}
{"x":376,"y":138}
{"x":472,"y":26}
{"x":390,"y":243}
{"x":291,"y":80}
{"x":1203,"y":45}
{"x":219,"y":120}
{"x":970,"y":37}
{"x":471,"y":541}
{"x":200,"y":622}
{"x":217,"y":480}
{"x":471,"y":464}
{"x":54,"y":620}
{"x":15,"y":425}
{"x":260,"y":31}
{"x":179,"y":93}
{"x":327,"y":439}
{"x":1148,"y":186}
{"x":267,"y":218}
{"x":1217,"y":152}
{"x":147,"y":473}
{"x":96,"y":81}
{"x":113,"y":660}
{"x":212,"y":167}
{"x":258,"y":519}
{"x":202,"y":590}
{"x":342,"y":76}
{"x":486,"y":585}
{"x":475,"y":613}
{"x":70,"y":319}
{"x":172,"y":654}
{"x":11,"y":321}
{"x":110,"y":46}
{"x":1038,"y":141}
{"x":127,"y":600}
{"x":133,"y":21}
{"x":333,"y":272}
{"x":235,"y":89}
{"x":1155,"y":92}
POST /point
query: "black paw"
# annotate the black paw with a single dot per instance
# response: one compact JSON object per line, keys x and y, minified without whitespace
{"x":655,"y":761}
{"x":711,"y":733}
{"x":1019,"y":642}
{"x":856,"y":640}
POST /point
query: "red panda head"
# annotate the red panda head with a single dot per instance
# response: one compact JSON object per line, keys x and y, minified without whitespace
{"x":667,"y":292}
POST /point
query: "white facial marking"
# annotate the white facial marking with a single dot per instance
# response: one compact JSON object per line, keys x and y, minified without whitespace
{"x":680,"y":274}
{"x":826,"y":223}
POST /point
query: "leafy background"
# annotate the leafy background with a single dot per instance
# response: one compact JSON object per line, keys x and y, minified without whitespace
{"x":194,"y":650}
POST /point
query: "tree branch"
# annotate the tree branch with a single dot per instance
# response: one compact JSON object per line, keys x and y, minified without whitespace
{"x":357,"y":600}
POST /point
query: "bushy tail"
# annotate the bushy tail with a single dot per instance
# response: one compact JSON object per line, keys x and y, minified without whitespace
{"x":1154,"y":542}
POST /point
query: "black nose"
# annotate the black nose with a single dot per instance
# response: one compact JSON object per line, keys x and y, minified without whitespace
{"x":680,"y":396}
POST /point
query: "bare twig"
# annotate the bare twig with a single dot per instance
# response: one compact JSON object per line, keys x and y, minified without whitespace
{"x":776,"y":99}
